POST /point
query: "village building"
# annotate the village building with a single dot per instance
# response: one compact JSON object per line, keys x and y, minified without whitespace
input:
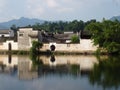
{"x":6,"y":33}
{"x":7,"y":40}
{"x":25,"y":38}
{"x":60,"y":42}
{"x":57,"y":38}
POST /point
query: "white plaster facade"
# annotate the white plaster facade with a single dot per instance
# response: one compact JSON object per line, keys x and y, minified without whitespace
{"x":85,"y":45}
{"x":24,"y":40}
{"x":5,"y":45}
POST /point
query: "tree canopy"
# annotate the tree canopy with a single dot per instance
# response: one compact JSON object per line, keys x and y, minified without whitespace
{"x":106,"y":34}
{"x":35,"y":47}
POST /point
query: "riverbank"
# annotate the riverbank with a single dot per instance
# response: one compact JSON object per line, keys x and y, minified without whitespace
{"x":48,"y":52}
{"x":14,"y":52}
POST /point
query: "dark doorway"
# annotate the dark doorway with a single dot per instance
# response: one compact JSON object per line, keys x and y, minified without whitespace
{"x":9,"y":47}
{"x":52,"y":47}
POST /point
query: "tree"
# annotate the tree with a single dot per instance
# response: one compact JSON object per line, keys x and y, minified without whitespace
{"x":75,"y":39}
{"x":15,"y":29}
{"x":106,"y":35}
{"x":35,"y":47}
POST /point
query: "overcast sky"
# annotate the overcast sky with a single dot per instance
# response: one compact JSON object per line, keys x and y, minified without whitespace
{"x":59,"y":9}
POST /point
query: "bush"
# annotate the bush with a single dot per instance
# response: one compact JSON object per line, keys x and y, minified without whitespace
{"x":75,"y":39}
{"x":34,"y":50}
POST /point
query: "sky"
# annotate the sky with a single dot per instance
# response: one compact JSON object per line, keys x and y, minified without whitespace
{"x":53,"y":10}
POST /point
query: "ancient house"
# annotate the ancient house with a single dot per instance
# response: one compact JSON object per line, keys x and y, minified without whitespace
{"x":25,"y":38}
{"x":6,"y":33}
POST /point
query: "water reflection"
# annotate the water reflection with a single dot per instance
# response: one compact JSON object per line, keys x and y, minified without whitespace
{"x":52,"y":58}
{"x":107,"y":73}
{"x":103,"y":72}
{"x":41,"y":66}
{"x":8,"y":64}
{"x":9,"y":58}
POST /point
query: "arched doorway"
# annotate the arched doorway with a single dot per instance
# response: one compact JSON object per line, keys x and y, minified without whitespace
{"x":9,"y":46}
{"x":52,"y":47}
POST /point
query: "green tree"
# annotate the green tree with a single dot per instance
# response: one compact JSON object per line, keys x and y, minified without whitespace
{"x":15,"y":29}
{"x":35,"y":47}
{"x":75,"y":39}
{"x":106,"y":35}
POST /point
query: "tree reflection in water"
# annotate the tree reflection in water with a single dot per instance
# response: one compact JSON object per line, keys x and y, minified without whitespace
{"x":107,"y":73}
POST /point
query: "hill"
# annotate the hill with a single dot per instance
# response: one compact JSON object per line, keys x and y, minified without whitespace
{"x":115,"y":18}
{"x":21,"y":22}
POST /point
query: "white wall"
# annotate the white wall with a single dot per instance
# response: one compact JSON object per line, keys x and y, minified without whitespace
{"x":85,"y":45}
{"x":13,"y":44}
{"x":5,"y":35}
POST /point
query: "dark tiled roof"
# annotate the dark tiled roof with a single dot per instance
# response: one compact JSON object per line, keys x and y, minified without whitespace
{"x":86,"y":34}
{"x":59,"y":38}
{"x":64,"y":36}
{"x":4,"y":31}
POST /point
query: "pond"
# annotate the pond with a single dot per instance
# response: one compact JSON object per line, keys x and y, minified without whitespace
{"x":64,"y":72}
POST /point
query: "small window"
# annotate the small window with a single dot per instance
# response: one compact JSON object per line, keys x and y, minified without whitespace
{"x":21,"y":34}
{"x":2,"y":36}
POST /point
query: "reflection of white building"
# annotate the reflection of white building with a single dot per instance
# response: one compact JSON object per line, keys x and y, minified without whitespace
{"x":5,"y":60}
{"x":9,"y":62}
{"x":24,"y":69}
{"x":24,"y":64}
{"x":52,"y":61}
{"x":85,"y":62}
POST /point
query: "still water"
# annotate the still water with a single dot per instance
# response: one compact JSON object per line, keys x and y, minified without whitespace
{"x":59,"y":73}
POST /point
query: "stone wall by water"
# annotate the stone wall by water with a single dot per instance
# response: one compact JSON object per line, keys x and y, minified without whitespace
{"x":85,"y":45}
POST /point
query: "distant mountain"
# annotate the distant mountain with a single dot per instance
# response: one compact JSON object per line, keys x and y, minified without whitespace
{"x":115,"y":18}
{"x":20,"y":22}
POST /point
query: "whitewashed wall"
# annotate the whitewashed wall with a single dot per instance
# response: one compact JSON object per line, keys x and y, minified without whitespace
{"x":85,"y":45}
{"x":4,"y":46}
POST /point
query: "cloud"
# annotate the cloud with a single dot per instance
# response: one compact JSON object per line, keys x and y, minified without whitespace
{"x":34,"y":8}
{"x":65,"y":10}
{"x":38,"y":8}
{"x":54,"y":9}
{"x":37,"y":12}
{"x":2,"y":5}
{"x":52,"y":3}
